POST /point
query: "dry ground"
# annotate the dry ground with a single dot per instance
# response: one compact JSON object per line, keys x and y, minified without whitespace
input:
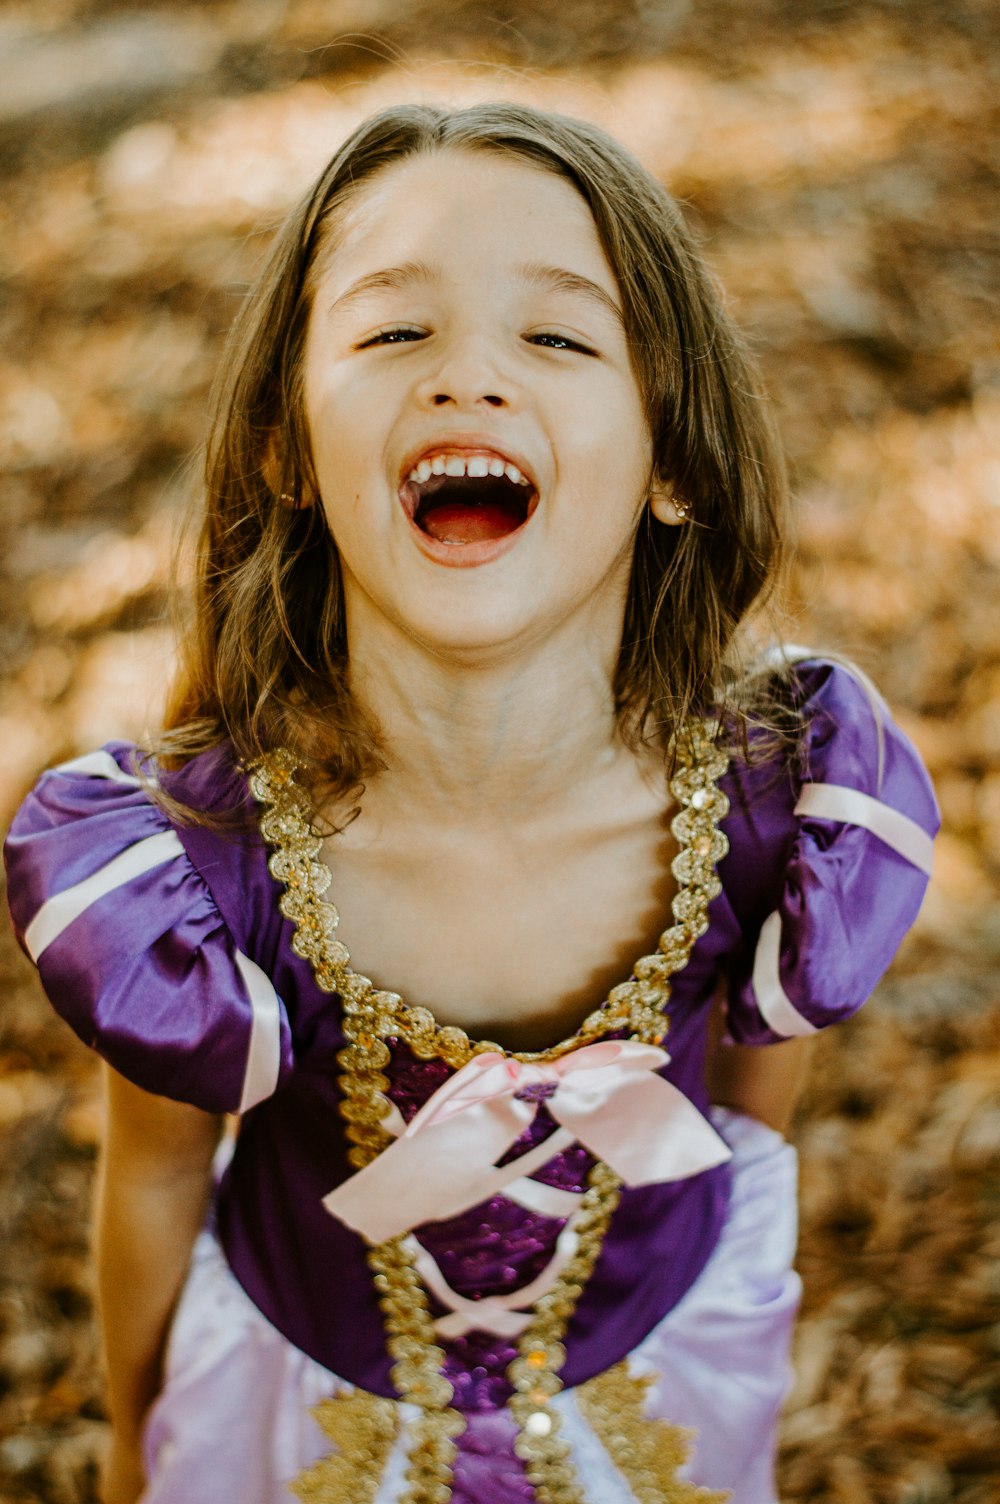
{"x":841,"y":163}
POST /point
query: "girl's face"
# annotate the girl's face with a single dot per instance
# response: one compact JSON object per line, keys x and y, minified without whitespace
{"x":477,"y":430}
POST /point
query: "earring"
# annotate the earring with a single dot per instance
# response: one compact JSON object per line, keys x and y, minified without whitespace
{"x":669,"y":509}
{"x":288,"y":497}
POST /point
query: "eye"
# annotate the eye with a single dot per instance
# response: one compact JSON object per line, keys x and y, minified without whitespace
{"x":550,"y":340}
{"x":397,"y":334}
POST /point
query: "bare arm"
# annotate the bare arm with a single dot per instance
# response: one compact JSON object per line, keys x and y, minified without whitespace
{"x":762,"y":1080}
{"x":153,"y":1185}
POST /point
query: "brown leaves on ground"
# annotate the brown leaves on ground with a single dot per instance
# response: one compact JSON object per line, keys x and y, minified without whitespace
{"x":840,"y":162}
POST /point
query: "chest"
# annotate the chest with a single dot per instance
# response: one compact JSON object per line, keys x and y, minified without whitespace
{"x":510,"y":935}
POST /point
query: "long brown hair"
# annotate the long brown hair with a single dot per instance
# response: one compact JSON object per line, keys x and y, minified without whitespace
{"x":264,"y":658}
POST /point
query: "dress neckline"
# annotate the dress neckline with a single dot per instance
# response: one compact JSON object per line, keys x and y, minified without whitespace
{"x":635,"y":1007}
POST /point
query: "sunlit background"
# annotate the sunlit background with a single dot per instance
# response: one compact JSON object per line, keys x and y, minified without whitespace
{"x":840,"y":162}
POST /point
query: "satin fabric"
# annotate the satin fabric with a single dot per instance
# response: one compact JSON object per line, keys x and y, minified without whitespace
{"x":233,"y":1417}
{"x":605,"y":1096}
{"x":150,"y":974}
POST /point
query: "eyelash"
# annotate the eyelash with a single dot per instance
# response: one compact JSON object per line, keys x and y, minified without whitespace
{"x":550,"y":341}
{"x":404,"y":335}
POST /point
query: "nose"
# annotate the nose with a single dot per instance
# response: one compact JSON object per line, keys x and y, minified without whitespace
{"x":467,"y":376}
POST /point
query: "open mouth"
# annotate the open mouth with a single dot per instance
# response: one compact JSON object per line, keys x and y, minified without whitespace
{"x":468,"y":499}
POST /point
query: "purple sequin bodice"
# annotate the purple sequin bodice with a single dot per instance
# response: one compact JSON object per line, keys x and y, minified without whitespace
{"x":491,"y":1249}
{"x":165,"y":948}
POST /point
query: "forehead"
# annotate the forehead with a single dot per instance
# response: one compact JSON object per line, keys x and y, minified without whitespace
{"x":472,"y":214}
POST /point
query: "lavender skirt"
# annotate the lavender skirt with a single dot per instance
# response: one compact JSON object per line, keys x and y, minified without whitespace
{"x":233,"y":1419}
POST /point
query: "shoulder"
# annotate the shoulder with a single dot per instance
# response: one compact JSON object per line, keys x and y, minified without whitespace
{"x":851,"y":739}
{"x":86,"y":826}
{"x":91,"y":826}
{"x":831,"y":852}
{"x":846,"y":739}
{"x":123,"y":921}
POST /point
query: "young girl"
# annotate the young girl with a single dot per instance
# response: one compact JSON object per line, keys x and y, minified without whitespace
{"x":490,"y":495}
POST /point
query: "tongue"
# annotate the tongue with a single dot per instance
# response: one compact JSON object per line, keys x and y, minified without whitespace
{"x":451,"y":522}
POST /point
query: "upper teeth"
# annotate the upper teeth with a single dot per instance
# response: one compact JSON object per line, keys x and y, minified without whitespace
{"x":476,"y":465}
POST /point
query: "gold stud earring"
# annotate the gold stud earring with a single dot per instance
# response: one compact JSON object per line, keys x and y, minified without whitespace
{"x":681,"y":507}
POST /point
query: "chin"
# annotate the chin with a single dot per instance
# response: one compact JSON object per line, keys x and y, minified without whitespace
{"x":475,"y":641}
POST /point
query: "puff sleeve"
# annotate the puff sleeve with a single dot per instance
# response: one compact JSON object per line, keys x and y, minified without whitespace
{"x":130,"y":946}
{"x":857,"y":862}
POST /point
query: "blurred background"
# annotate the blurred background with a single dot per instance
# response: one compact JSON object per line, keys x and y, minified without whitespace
{"x":840,"y":161}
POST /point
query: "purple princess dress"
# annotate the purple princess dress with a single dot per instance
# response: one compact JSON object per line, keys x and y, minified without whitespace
{"x":592,"y":1256}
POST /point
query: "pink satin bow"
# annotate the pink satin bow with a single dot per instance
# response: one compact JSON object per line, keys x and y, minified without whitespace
{"x":605,"y":1096}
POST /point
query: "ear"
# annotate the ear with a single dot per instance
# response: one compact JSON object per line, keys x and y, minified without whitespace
{"x":665,"y":506}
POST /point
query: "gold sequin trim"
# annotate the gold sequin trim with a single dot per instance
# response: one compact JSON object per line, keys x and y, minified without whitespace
{"x":363,"y":1428}
{"x":416,"y":1373}
{"x":647,"y":1452}
{"x":534,"y":1373}
{"x":636,"y":1005}
{"x":371,"y":1016}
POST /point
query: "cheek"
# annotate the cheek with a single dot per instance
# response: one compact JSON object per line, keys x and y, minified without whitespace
{"x":337,"y":446}
{"x":612,"y":475}
{"x":613,"y":434}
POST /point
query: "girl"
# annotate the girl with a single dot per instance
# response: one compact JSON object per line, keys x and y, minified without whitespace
{"x":490,"y":496}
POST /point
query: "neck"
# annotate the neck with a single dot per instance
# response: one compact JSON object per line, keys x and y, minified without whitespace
{"x":468,"y":741}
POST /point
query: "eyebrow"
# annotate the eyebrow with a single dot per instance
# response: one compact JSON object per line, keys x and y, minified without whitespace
{"x":535,"y":273}
{"x":391,"y":278}
{"x":558,"y":279}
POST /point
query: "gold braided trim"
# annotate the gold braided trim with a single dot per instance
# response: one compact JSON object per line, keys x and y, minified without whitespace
{"x":636,"y":1005}
{"x":370,"y":1017}
{"x":416,"y":1373}
{"x":534,"y":1373}
{"x":646,"y":1451}
{"x":363,"y":1427}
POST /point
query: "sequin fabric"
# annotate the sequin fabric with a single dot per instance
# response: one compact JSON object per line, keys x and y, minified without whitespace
{"x":372,"y":1017}
{"x":491,"y":1248}
{"x":497,"y":1245}
{"x":476,"y":1367}
{"x":412,"y":1081}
